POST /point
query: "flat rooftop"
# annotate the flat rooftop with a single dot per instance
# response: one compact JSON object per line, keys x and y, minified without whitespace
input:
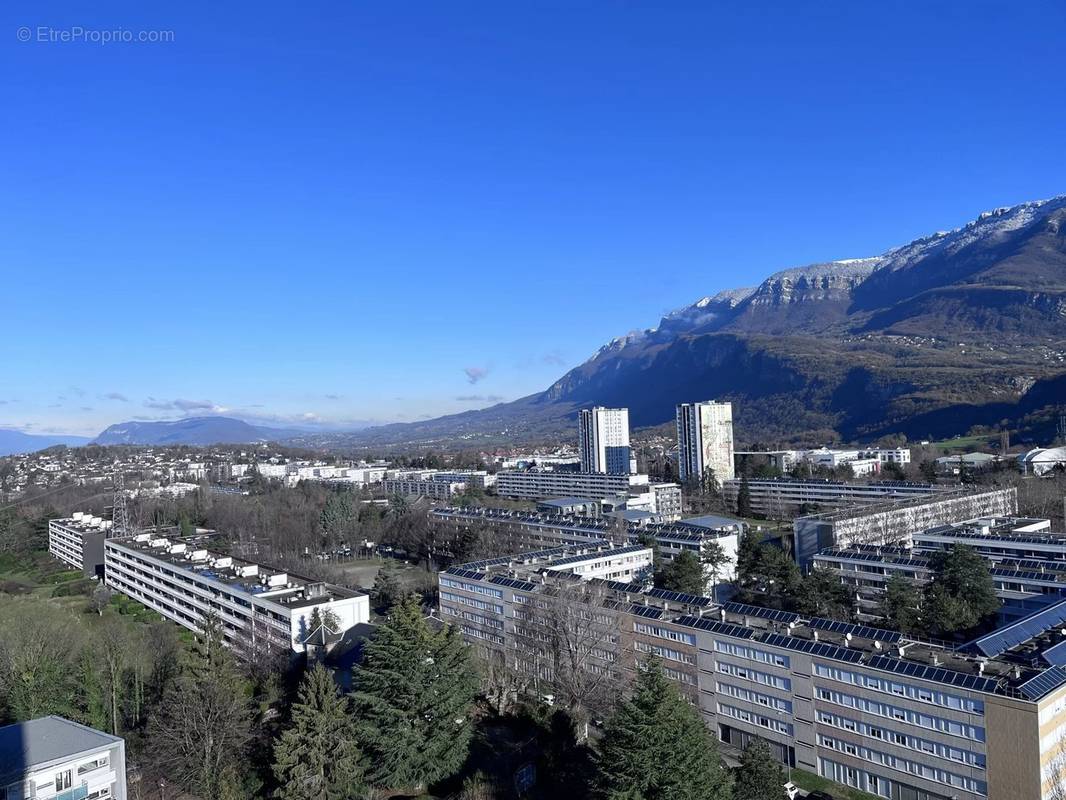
{"x":686,"y":530}
{"x":1009,"y":661}
{"x":41,"y":742}
{"x":279,"y":586}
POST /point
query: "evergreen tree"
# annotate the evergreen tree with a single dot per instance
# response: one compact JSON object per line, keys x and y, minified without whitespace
{"x":413,"y":696}
{"x":386,"y":591}
{"x":714,"y":557}
{"x":961,"y":593}
{"x":683,"y":574}
{"x":316,"y":757}
{"x":744,"y":497}
{"x":656,"y":747}
{"x":759,"y":777}
{"x":900,"y":605}
{"x":821,"y":594}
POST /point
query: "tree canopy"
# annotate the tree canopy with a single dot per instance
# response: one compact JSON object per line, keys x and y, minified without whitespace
{"x":684,"y":573}
{"x":961,"y":594}
{"x":316,"y":756}
{"x":413,"y":696}
{"x":656,"y":747}
{"x":759,"y":776}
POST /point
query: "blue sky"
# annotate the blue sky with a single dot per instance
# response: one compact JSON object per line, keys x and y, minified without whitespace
{"x":355,"y":210}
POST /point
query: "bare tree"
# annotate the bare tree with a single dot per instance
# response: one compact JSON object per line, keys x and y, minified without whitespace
{"x":570,"y":637}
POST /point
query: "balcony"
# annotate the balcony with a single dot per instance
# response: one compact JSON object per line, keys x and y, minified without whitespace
{"x":77,"y":793}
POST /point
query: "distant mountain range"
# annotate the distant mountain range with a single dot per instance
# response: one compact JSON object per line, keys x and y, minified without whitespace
{"x":958,"y":328}
{"x":955,"y":329}
{"x":192,"y":431}
{"x":12,"y":442}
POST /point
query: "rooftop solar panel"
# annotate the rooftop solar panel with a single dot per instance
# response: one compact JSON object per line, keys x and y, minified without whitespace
{"x":862,"y":631}
{"x":714,"y":626}
{"x":1026,"y":575}
{"x":513,"y":583}
{"x":762,"y":613}
{"x":1056,"y":654}
{"x":1002,"y":640}
{"x":465,"y":573}
{"x":1043,"y":684}
{"x":646,"y":611}
{"x":949,"y":677}
{"x":680,"y":597}
{"x":814,"y":648}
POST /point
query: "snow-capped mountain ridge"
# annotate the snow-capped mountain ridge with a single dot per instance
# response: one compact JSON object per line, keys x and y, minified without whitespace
{"x":834,"y":281}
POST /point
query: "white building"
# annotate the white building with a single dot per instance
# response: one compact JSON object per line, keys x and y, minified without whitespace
{"x":890,"y":455}
{"x":78,"y":541}
{"x":542,"y":484}
{"x":604,"y":440}
{"x":52,"y":758}
{"x":417,"y":486}
{"x":259,"y":608}
{"x":1042,"y":460}
{"x":705,"y":440}
{"x":623,"y":564}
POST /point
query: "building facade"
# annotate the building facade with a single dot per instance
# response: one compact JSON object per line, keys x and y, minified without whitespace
{"x":705,"y":440}
{"x":542,"y":484}
{"x":517,"y":531}
{"x":422,"y":487}
{"x":78,"y":541}
{"x":791,"y":497}
{"x":603,"y":440}
{"x":52,"y":758}
{"x":898,"y":718}
{"x":260,"y":609}
{"x":896,"y":522}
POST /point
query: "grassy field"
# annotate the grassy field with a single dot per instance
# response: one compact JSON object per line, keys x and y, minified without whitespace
{"x":966,"y":442}
{"x":43,"y":578}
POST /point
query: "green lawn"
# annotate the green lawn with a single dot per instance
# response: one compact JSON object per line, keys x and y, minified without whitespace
{"x":966,"y":442}
{"x":812,"y":782}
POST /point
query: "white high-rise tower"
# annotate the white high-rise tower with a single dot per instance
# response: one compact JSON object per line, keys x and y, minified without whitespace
{"x":705,"y":439}
{"x":604,"y":440}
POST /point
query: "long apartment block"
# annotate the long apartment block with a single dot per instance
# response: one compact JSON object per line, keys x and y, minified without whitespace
{"x":260,"y":609}
{"x":1026,"y":560}
{"x":788,"y":497}
{"x":890,"y":715}
{"x":895,"y":521}
{"x":78,"y":541}
{"x":518,"y":531}
{"x":541,"y":484}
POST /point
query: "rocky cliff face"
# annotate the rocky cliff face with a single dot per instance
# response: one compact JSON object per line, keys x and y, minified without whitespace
{"x":911,"y":340}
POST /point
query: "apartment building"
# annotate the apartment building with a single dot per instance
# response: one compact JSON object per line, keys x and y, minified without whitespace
{"x":868,"y":708}
{"x":705,"y":440}
{"x":517,"y":531}
{"x":52,"y":758}
{"x":895,"y":522}
{"x":603,"y":440}
{"x":78,"y":541}
{"x":790,"y":497}
{"x":542,"y":484}
{"x":1022,"y":585}
{"x":667,"y":501}
{"x":889,"y":455}
{"x":414,"y":486}
{"x":1007,"y":538}
{"x":260,"y":609}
